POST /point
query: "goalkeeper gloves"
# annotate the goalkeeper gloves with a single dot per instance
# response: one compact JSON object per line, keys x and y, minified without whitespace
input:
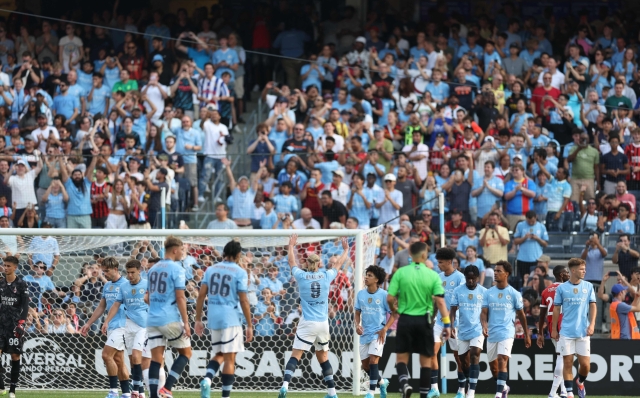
{"x":19,"y":329}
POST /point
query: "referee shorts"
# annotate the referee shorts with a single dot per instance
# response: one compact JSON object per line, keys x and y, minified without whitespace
{"x":414,"y":335}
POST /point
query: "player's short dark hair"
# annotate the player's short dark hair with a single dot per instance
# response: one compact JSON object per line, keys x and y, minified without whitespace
{"x":445,"y":253}
{"x":354,"y":220}
{"x":232,"y":249}
{"x":110,"y":263}
{"x":12,"y":260}
{"x":471,"y":270}
{"x":530,"y":214}
{"x":506,"y":266}
{"x":378,"y":272}
{"x":172,"y":242}
{"x":557,"y":270}
{"x":417,"y":248}
{"x":153,"y":260}
{"x":133,"y":264}
{"x":574,"y":262}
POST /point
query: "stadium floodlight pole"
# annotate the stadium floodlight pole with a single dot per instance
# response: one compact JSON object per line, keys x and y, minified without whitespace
{"x":357,"y":282}
{"x":443,"y":240}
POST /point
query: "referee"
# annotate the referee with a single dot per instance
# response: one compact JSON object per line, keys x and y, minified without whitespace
{"x":413,"y":291}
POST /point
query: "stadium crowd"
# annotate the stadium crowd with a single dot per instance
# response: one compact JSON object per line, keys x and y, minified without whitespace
{"x":526,"y":123}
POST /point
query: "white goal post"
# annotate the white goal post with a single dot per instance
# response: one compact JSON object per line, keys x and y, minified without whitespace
{"x":62,"y":360}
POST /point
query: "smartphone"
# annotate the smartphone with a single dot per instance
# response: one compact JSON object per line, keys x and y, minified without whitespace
{"x":613,"y":273}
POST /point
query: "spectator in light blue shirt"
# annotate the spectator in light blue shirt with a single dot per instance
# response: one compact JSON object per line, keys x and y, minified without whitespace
{"x":266,"y":313}
{"x":532,"y":237}
{"x":243,"y":196}
{"x":622,"y":224}
{"x":65,"y":103}
{"x":225,"y":59}
{"x":188,"y":141}
{"x":269,"y":217}
{"x":290,"y":43}
{"x":438,"y":89}
{"x":157,"y":29}
{"x":98,"y":96}
{"x":285,"y":202}
{"x":312,"y":73}
{"x":79,"y":190}
{"x":55,"y":198}
{"x":471,"y":49}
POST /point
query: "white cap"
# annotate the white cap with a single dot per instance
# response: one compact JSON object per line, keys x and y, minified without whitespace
{"x":361,"y":39}
{"x":338,"y":172}
{"x":390,"y":177}
{"x":489,"y":139}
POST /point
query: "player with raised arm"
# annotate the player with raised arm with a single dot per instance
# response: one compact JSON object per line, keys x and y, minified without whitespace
{"x":225,"y":286}
{"x":131,"y":294}
{"x":577,"y":301}
{"x":500,"y":306}
{"x":546,"y":312}
{"x":413,"y":291}
{"x":371,"y":323}
{"x":313,"y":329}
{"x":14,"y":299}
{"x":168,"y":321}
{"x":451,"y":279}
{"x":467,"y":300}
{"x":113,"y":351}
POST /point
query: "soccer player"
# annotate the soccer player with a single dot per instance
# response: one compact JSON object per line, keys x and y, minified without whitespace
{"x":500,"y":306}
{"x":131,"y":294}
{"x":546,"y":310}
{"x":225,"y":285}
{"x":167,"y":322}
{"x":14,"y":300}
{"x":413,"y":291}
{"x":113,"y":351}
{"x":313,"y":329}
{"x":451,"y":279}
{"x":468,"y":300}
{"x":371,"y":310}
{"x":577,"y":300}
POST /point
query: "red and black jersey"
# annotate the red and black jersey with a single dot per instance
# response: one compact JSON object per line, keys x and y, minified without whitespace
{"x":100,"y":208}
{"x":436,"y":157}
{"x":633,"y":155}
{"x":14,"y":299}
{"x":462,"y":144}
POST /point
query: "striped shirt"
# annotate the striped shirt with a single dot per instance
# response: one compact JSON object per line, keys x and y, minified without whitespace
{"x":209,"y":88}
{"x":100,"y":209}
{"x":633,"y":155}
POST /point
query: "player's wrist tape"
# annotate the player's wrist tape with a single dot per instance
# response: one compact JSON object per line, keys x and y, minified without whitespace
{"x":446,"y":320}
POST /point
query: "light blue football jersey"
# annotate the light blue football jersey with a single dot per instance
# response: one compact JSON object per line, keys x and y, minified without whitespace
{"x":574,"y":300}
{"x":110,"y":294}
{"x":450,"y":283}
{"x":224,"y":281}
{"x":314,"y":292}
{"x":502,"y":305}
{"x":164,"y":278}
{"x":132,"y":297}
{"x":373,"y":311}
{"x":469,"y":303}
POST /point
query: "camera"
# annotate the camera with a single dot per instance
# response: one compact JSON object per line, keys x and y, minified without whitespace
{"x":491,"y":226}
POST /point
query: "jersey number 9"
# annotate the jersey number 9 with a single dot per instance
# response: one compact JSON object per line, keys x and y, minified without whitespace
{"x":220,"y":284}
{"x":158,"y":281}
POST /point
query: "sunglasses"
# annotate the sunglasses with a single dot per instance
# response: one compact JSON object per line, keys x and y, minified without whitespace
{"x":43,"y":267}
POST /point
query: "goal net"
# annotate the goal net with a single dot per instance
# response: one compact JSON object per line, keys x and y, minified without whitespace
{"x":65,"y":283}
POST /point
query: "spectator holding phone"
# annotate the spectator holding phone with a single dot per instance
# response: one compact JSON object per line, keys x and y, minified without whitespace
{"x":594,"y":254}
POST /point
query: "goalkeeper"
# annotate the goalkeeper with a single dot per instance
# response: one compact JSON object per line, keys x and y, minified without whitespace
{"x":14,"y":301}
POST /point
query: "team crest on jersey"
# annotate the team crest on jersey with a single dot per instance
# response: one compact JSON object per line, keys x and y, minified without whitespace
{"x":377,"y":301}
{"x":141,"y":291}
{"x":584,"y":291}
{"x":452,"y":283}
{"x":370,"y":300}
{"x":499,"y":295}
{"x":575,"y":290}
{"x":133,"y":292}
{"x":508,"y":297}
{"x":470,"y":296}
{"x":479,"y":297}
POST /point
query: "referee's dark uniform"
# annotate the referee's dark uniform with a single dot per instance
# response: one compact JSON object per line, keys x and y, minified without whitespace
{"x":414,"y":285}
